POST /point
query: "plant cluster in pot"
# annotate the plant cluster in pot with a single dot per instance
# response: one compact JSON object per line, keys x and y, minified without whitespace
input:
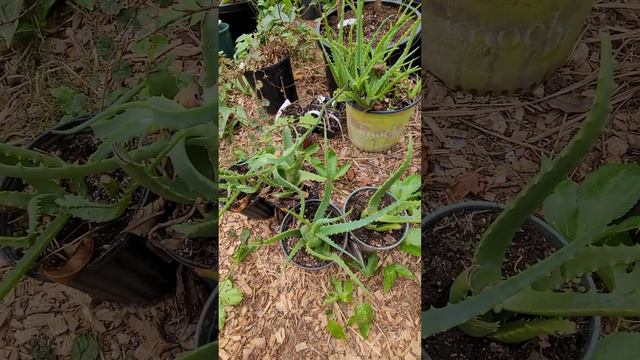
{"x":546,"y":297}
{"x":59,"y":192}
{"x":380,"y":97}
{"x":390,"y":230}
{"x":66,"y":223}
{"x":377,"y":17}
{"x":265,"y":55}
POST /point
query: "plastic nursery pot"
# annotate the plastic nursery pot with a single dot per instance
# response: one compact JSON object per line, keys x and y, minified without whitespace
{"x":364,"y":247}
{"x":128,"y":271}
{"x":549,"y":233}
{"x":226,"y":43}
{"x":254,"y":207}
{"x":414,"y":60}
{"x":311,"y":9}
{"x":204,"y":273}
{"x":377,"y":131}
{"x":285,"y":225}
{"x":207,"y":328}
{"x":241,"y":16}
{"x":277,"y":84}
{"x":500,"y":46}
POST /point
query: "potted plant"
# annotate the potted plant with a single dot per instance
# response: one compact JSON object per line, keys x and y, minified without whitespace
{"x":541,"y":299}
{"x":265,"y":56}
{"x":390,"y":230}
{"x":241,"y":15}
{"x":378,"y":16}
{"x":478,"y":46}
{"x":380,"y":98}
{"x":85,"y":211}
{"x":167,"y":125}
{"x":297,"y":111}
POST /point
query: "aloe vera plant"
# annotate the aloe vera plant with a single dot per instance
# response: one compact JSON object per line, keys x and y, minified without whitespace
{"x":407,"y":193}
{"x":359,"y":67}
{"x":482,"y":303}
{"x":190,"y":145}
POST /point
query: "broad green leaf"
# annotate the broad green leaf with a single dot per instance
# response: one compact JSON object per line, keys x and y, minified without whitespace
{"x":85,"y":347}
{"x":227,"y":296}
{"x":9,"y":13}
{"x":622,"y":345}
{"x":407,"y":188}
{"x":336,"y":330}
{"x":561,"y":208}
{"x":617,"y":186}
{"x":412,"y":243}
{"x":391,"y":272}
{"x":371,"y":265}
{"x":363,"y":317}
{"x":105,"y":46}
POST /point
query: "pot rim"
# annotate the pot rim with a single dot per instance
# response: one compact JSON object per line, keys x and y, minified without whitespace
{"x":223,"y":28}
{"x":354,"y":105}
{"x":360,"y":242}
{"x":404,"y":41}
{"x":288,"y":217}
{"x":286,"y":60}
{"x":551,"y":235}
{"x":210,"y":304}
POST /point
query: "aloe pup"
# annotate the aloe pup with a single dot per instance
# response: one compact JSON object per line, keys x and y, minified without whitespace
{"x":483,"y":304}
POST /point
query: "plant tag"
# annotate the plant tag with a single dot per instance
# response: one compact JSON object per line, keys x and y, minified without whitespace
{"x":285,"y":105}
{"x":348,"y":22}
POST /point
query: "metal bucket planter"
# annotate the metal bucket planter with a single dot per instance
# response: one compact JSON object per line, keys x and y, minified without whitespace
{"x":497,"y":45}
{"x":555,"y":239}
{"x":377,"y":131}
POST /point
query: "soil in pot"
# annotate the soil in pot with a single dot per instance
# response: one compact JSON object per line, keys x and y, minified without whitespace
{"x":449,"y":246}
{"x":200,"y":252}
{"x":357,"y":203}
{"x":302,"y":257}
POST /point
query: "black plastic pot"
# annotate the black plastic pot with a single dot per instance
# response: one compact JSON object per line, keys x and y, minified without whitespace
{"x":241,"y":17}
{"x":414,"y":60}
{"x":554,"y":237}
{"x":311,"y":11}
{"x":258,"y":208}
{"x":277,"y":84}
{"x":364,"y":247}
{"x":224,"y":37}
{"x":129,"y":272}
{"x":201,"y":271}
{"x":207,"y":328}
{"x":285,"y":224}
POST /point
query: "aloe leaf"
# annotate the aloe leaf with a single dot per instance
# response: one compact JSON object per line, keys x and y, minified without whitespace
{"x":374,"y":201}
{"x":492,"y":248}
{"x":91,"y":211}
{"x":30,"y":256}
{"x":618,"y":346}
{"x":18,"y":241}
{"x":205,"y":352}
{"x":201,"y":228}
{"x":570,"y":304}
{"x":14,"y":199}
{"x":336,"y":258}
{"x":189,"y":174}
{"x":521,"y":331}
{"x":561,"y":208}
{"x":440,"y":319}
{"x":166,"y":188}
